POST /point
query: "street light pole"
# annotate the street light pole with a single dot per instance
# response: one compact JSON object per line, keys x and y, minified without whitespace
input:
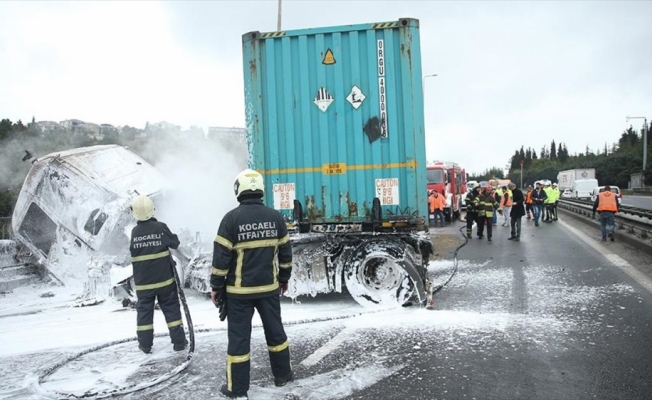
{"x":278,"y":21}
{"x":644,"y":139}
{"x":423,"y":86}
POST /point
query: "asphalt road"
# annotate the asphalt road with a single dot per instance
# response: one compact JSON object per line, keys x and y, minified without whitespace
{"x":548,"y":317}
{"x":544,"y":318}
{"x":638,"y":201}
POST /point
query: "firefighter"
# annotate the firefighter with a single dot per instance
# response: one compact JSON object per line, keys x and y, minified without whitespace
{"x":471,"y":211}
{"x":528,"y":202}
{"x":607,"y":206}
{"x":151,"y":242}
{"x":486,"y":203}
{"x":252,"y":264}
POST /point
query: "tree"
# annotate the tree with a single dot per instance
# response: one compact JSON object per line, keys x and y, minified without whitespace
{"x":543,"y":152}
{"x":493,"y":172}
{"x":19,"y":127}
{"x":553,"y":150}
{"x":560,"y":150}
{"x":563,"y":153}
{"x":5,"y":129}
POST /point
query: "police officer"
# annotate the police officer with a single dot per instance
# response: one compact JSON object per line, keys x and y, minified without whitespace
{"x":151,"y":242}
{"x":252,"y":264}
{"x":471,"y":211}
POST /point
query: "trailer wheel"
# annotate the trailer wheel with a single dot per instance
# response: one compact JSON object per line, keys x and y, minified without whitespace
{"x":384,"y":274}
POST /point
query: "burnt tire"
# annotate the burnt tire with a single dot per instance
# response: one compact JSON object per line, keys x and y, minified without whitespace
{"x":385,"y":273}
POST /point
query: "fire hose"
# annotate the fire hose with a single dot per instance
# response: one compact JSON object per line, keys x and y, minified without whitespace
{"x":430,"y":302}
{"x":101,"y":394}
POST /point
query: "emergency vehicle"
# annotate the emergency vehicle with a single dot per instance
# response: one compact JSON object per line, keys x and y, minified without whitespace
{"x":449,"y":179}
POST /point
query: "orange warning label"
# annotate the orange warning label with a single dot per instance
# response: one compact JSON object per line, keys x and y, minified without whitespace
{"x":329,"y":58}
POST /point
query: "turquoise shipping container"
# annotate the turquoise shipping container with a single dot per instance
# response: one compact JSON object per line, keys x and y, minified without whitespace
{"x":335,"y":120}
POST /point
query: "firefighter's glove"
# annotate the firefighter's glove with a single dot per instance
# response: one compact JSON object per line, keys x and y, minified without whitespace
{"x":222,"y":309}
{"x":284,"y":287}
{"x":218,"y":295}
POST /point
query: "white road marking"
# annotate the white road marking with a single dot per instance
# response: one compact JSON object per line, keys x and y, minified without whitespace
{"x":323,"y":351}
{"x":615,"y":259}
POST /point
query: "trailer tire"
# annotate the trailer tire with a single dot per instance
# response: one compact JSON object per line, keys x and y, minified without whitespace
{"x":385,"y":273}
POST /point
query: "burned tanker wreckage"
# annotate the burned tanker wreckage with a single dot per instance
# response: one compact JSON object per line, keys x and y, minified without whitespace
{"x":73,"y":215}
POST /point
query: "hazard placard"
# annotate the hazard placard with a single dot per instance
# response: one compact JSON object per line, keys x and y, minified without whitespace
{"x":329,"y":58}
{"x":284,"y":195}
{"x":323,"y":99}
{"x":356,"y":97}
{"x":387,"y":191}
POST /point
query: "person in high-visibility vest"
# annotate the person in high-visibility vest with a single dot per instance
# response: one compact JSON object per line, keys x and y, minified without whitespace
{"x":151,"y":241}
{"x":529,"y":203}
{"x":547,"y":204}
{"x":437,"y":204}
{"x":506,"y":205}
{"x":607,"y":206}
{"x":487,"y":206}
{"x":556,"y":194}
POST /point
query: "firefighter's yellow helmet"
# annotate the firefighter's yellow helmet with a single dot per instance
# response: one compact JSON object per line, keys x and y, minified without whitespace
{"x":142,"y":208}
{"x":249,"y":182}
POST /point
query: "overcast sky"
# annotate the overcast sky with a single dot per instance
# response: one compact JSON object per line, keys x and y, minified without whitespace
{"x":509,"y":73}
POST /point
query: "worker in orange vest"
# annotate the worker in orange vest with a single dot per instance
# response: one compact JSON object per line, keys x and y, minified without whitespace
{"x":528,"y":202}
{"x":506,"y":204}
{"x":436,"y":204}
{"x":607,"y":206}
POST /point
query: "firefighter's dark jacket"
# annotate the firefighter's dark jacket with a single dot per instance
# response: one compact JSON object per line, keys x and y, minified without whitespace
{"x":252,"y":251}
{"x":151,"y":241}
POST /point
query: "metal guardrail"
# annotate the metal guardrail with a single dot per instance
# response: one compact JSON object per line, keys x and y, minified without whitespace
{"x":635,"y":211}
{"x":5,"y":228}
{"x":635,"y":220}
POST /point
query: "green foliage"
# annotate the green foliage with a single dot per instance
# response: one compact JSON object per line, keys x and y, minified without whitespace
{"x":613,"y":166}
{"x":490,"y":173}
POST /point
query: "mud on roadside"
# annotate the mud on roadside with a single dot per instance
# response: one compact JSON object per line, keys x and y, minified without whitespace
{"x":445,"y":245}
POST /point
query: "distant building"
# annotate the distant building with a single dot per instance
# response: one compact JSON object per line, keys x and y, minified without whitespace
{"x":162,"y":127}
{"x":74,"y":125}
{"x":239,"y":134}
{"x":48,"y":126}
{"x":108,"y":128}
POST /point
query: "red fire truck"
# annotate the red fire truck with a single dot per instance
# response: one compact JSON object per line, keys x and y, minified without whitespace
{"x":448,"y":179}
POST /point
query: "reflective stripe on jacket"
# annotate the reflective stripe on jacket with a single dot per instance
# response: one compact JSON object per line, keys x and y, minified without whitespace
{"x":252,"y":251}
{"x":485,"y":204}
{"x":150,"y":246}
{"x":607,"y":202}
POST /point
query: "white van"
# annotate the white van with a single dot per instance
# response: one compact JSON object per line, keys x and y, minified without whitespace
{"x":583,"y":188}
